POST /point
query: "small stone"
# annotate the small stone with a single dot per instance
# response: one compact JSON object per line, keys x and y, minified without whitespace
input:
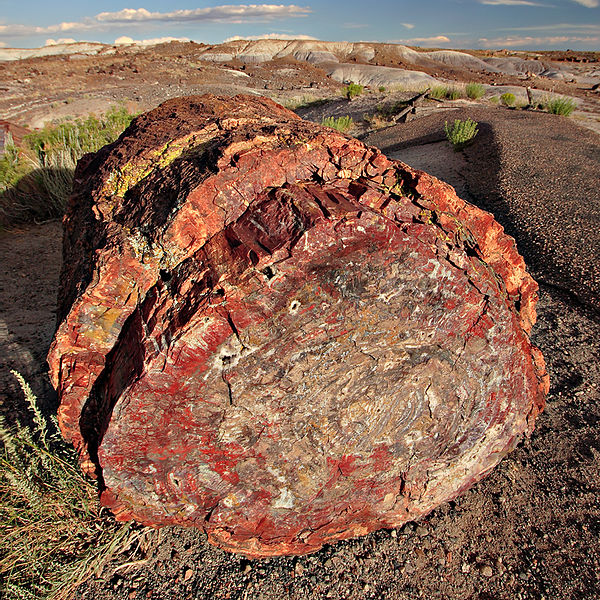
{"x":188,"y":574}
{"x":486,"y":570}
{"x":465,"y":568}
{"x":422,"y":531}
{"x":299,"y":569}
{"x":328,"y":563}
{"x":394,"y":533}
{"x":366,"y":588}
{"x":247,"y":568}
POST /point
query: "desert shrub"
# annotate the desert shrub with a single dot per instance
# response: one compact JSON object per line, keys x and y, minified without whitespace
{"x":352,"y":90}
{"x":559,"y":105}
{"x":79,"y":136}
{"x":461,"y":133}
{"x":382,"y":88}
{"x":507,"y":99}
{"x":342,"y":124}
{"x":494,"y":100}
{"x":54,"y":534}
{"x":36,"y":178}
{"x":474,"y":91}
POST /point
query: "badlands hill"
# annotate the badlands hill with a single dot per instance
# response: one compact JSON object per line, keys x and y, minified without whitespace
{"x":75,"y":79}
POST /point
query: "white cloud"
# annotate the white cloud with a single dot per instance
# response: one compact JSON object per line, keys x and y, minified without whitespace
{"x":51,"y":42}
{"x":225,"y":13}
{"x":537,"y":42}
{"x":3,"y":44}
{"x":516,"y":2}
{"x":125,"y":40}
{"x":408,"y":25}
{"x":436,"y":39}
{"x":271,"y":36}
{"x":588,"y":3}
{"x":134,"y":16}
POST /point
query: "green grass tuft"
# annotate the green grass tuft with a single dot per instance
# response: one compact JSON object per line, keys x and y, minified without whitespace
{"x":461,"y":133}
{"x":559,"y":105}
{"x":54,"y":534}
{"x":439,"y":92}
{"x":454,"y":93}
{"x":342,"y":124}
{"x":475,"y":91}
{"x":507,"y":99}
{"x":442,"y":92}
{"x":352,"y":90}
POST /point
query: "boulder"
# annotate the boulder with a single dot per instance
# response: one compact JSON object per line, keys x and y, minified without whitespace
{"x":272,"y":332}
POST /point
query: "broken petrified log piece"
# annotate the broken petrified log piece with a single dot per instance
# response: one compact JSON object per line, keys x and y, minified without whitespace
{"x":273,"y":332}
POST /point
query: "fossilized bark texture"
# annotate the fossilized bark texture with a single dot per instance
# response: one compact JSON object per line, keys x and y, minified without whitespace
{"x":273,"y":332}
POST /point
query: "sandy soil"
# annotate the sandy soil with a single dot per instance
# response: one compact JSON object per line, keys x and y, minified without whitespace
{"x":529,"y":530}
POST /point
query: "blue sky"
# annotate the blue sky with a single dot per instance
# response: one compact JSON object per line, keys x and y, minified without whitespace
{"x":516,"y":24}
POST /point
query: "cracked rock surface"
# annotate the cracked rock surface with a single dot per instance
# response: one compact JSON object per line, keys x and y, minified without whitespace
{"x":272,"y":332}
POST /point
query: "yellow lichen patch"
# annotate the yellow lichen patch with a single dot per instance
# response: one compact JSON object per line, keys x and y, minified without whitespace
{"x":130,"y":174}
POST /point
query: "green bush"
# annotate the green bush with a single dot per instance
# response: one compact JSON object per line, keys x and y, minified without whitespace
{"x":342,"y":124}
{"x":54,"y":534}
{"x":494,"y":99}
{"x":461,"y":133}
{"x":559,"y":105}
{"x":474,"y":91}
{"x":507,"y":99}
{"x":382,"y":88}
{"x":352,"y":90}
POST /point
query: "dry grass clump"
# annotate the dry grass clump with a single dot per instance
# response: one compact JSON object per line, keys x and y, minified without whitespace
{"x":54,"y":534}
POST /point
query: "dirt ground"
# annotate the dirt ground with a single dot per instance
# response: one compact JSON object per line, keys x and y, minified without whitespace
{"x":530,"y":529}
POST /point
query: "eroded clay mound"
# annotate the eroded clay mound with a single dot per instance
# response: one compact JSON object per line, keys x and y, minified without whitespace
{"x":273,"y":332}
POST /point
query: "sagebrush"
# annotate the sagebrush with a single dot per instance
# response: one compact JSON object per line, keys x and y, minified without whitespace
{"x":54,"y":534}
{"x":461,"y":133}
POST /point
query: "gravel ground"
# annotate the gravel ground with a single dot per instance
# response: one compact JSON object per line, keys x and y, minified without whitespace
{"x":538,"y":174}
{"x":530,"y":529}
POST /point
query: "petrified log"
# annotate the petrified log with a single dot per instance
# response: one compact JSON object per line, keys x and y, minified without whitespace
{"x":273,"y":332}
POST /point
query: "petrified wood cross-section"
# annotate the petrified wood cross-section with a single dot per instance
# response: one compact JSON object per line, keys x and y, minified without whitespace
{"x":273,"y":332}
